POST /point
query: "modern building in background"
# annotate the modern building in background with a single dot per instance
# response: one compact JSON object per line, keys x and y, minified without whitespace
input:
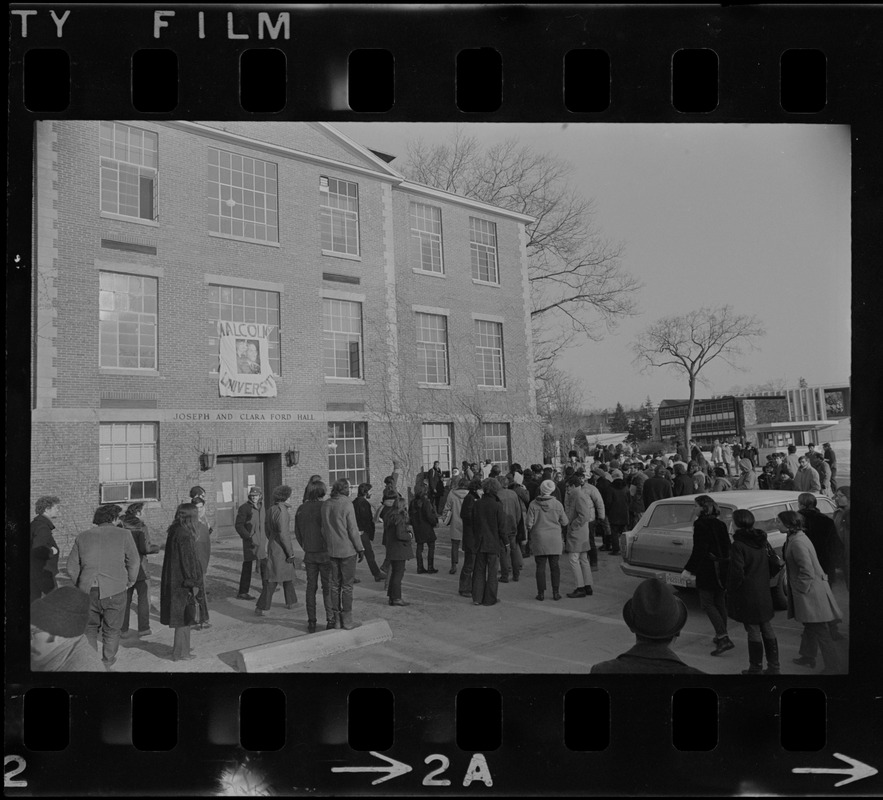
{"x":233,"y":303}
{"x":718,"y":417}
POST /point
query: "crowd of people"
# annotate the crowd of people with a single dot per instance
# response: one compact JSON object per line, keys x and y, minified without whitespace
{"x":495,"y":521}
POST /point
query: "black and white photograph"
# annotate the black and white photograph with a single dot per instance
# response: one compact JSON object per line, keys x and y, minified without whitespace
{"x":565,"y":398}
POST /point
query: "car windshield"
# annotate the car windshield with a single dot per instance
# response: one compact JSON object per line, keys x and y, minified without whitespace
{"x":682,"y":515}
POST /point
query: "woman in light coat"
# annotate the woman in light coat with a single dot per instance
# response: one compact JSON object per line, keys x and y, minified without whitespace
{"x":545,"y":518}
{"x":280,"y":552}
{"x":810,"y":599}
{"x":451,"y":517}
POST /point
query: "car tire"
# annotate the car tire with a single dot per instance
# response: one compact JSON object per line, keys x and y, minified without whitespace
{"x":780,"y":597}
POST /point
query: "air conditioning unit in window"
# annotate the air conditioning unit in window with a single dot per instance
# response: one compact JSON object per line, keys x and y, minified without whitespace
{"x":115,"y":492}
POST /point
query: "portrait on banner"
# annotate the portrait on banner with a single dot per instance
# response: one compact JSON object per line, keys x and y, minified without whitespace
{"x":244,"y":361}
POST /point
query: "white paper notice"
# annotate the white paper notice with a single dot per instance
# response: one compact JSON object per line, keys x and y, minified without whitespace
{"x":251,"y":480}
{"x":227,"y":489}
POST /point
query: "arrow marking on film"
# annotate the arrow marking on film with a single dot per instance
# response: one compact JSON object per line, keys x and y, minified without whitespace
{"x":393,"y":767}
{"x":856,"y":771}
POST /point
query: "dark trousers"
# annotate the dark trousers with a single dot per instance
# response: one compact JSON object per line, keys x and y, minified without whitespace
{"x":554,"y":571}
{"x":714,"y":603}
{"x":314,"y":573}
{"x":616,"y":530}
{"x":143,"y":606}
{"x":484,"y":578}
{"x":467,"y":572}
{"x":455,"y":552}
{"x":106,"y":618}
{"x":343,"y":572}
{"x":510,"y":559}
{"x":397,"y":572}
{"x":42,"y":584}
{"x":181,"y":645}
{"x":266,"y":598}
{"x":369,"y":555}
{"x":248,"y":567}
{"x":817,"y":636}
{"x":430,"y":557}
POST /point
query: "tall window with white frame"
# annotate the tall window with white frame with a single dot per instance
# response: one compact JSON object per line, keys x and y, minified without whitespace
{"x":127,"y":467}
{"x":483,"y":245}
{"x":437,"y":445}
{"x":432,"y":349}
{"x":342,"y":329}
{"x":426,"y":238}
{"x":128,"y":170}
{"x":339,"y":216}
{"x":496,"y":442}
{"x":348,"y":452}
{"x":242,"y":197}
{"x":127,"y":312}
{"x":489,"y":353}
{"x":238,"y":304}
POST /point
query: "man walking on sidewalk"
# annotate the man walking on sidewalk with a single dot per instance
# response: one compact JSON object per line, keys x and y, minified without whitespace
{"x":344,"y":546}
{"x":365,"y":523}
{"x":254,"y":545}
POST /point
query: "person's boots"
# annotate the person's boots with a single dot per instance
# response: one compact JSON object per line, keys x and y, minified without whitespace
{"x":723,"y":644}
{"x":333,"y":622}
{"x":346,"y":621}
{"x":772,"y":656}
{"x":420,"y":568}
{"x":755,"y":659}
{"x":430,"y":558}
{"x":580,"y":591}
{"x":593,"y":559}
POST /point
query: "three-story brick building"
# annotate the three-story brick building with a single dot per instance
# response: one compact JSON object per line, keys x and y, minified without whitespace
{"x":214,"y":302}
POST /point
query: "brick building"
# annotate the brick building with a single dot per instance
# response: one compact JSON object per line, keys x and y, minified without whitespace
{"x":215,"y":301}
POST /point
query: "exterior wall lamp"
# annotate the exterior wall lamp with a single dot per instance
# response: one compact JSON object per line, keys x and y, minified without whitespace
{"x":206,"y":461}
{"x":292,"y":457}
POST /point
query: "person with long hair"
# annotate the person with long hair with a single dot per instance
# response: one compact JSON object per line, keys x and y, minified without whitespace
{"x":748,"y":593}
{"x":810,"y":599}
{"x":133,"y":520}
{"x":708,"y":566}
{"x":424,"y":518}
{"x":182,"y":578}
{"x":311,"y":483}
{"x":545,"y":520}
{"x":397,"y":541}
{"x":317,"y":562}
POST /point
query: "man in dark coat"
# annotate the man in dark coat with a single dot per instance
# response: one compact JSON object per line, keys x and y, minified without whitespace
{"x":436,"y":484}
{"x":656,"y":617}
{"x":822,"y":532}
{"x":657,"y":487}
{"x":44,"y":550}
{"x":467,"y":515}
{"x":490,"y":524}
{"x":683,"y":483}
{"x":251,"y":530}
{"x":831,"y":457}
{"x":365,"y":521}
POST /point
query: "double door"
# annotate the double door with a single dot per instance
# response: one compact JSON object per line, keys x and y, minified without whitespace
{"x":235,"y":477}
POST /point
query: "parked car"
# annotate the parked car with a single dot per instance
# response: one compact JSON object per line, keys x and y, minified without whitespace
{"x":659,"y":546}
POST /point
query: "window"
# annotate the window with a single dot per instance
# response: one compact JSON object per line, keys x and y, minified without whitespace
{"x":342,"y":324}
{"x":437,"y":446}
{"x":128,"y":170}
{"x":432,"y":348}
{"x":339,"y":216}
{"x":496,"y":442}
{"x":483,"y":243}
{"x":347,"y":452}
{"x":426,"y":238}
{"x":765,"y":518}
{"x":127,"y":467}
{"x":489,"y":352}
{"x":242,"y":197}
{"x":235,"y":304}
{"x":127,"y":321}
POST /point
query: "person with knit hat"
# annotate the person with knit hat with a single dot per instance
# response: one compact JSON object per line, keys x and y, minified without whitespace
{"x":656,"y":616}
{"x":58,"y":633}
{"x":545,"y":519}
{"x":747,"y":477}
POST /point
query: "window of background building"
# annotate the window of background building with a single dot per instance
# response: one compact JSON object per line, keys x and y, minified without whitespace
{"x":339,"y":216}
{"x":128,"y":170}
{"x":483,"y":244}
{"x":235,"y":304}
{"x":489,"y":352}
{"x":432,"y":348}
{"x":426,"y":238}
{"x":437,"y":445}
{"x":347,"y":452}
{"x":242,"y":197}
{"x":128,"y":459}
{"x":127,"y":321}
{"x":342,"y":326}
{"x":496,"y":442}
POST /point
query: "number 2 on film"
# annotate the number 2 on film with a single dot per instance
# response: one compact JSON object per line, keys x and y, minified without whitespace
{"x":8,"y":782}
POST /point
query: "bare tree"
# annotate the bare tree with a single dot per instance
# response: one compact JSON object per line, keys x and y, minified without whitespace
{"x":686,"y":344}
{"x":578,"y":285}
{"x":776,"y":385}
{"x":559,"y":403}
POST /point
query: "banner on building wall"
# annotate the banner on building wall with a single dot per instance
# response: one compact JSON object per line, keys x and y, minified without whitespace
{"x":245,"y":360}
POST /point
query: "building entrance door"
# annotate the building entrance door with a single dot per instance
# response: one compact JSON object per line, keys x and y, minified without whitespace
{"x":235,"y":476}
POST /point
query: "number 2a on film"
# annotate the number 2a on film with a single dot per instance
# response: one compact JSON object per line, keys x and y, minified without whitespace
{"x":477,"y":770}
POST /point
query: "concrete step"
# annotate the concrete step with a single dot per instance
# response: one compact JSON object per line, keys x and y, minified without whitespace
{"x":310,"y":646}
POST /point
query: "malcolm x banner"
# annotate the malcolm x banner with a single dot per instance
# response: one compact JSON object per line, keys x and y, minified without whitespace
{"x":245,"y":362}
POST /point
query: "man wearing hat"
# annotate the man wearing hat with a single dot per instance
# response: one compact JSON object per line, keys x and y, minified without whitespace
{"x":254,"y":545}
{"x":656,"y":617}
{"x":58,"y":633}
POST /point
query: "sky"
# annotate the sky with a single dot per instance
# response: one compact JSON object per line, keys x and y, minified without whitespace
{"x":753,"y":215}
